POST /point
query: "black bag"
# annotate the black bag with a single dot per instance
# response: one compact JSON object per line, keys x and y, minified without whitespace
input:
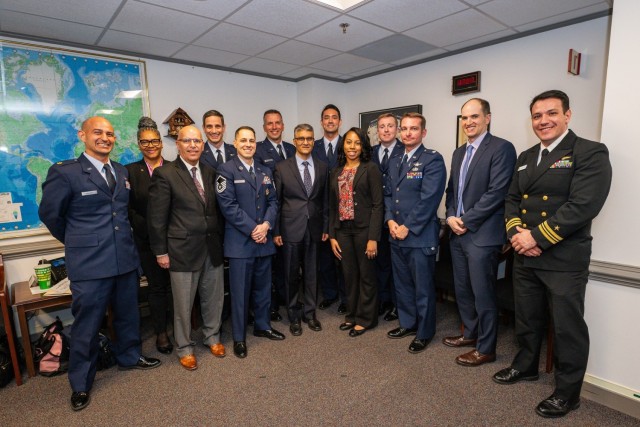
{"x":106,"y":357}
{"x":51,"y":354}
{"x":6,"y":366}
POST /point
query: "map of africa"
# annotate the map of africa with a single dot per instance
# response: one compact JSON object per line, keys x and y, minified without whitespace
{"x":45,"y":95}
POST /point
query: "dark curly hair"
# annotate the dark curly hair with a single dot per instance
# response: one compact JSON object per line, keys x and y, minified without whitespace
{"x":147,"y":123}
{"x":365,"y":155}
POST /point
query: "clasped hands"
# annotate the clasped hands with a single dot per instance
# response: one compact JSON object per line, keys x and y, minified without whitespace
{"x":259,"y":234}
{"x":524,"y":243}
{"x":397,"y":232}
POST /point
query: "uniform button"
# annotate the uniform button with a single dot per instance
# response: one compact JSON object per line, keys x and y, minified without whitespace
{"x":398,"y":189}
{"x":524,"y":225}
{"x":524,"y":211}
{"x":117,"y":228}
{"x":397,"y":201}
{"x":525,"y":196}
{"x":114,"y":214}
{"x":397,"y":212}
{"x":354,"y":192}
{"x":355,"y":203}
{"x":544,"y":214}
{"x":258,"y":207}
{"x":545,"y":197}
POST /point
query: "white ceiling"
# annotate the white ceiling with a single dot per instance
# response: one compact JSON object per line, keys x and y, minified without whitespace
{"x":288,"y":39}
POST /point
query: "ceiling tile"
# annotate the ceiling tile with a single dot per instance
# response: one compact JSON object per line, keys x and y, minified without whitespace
{"x":295,"y":52}
{"x":265,"y":66}
{"x":411,"y":13}
{"x":81,"y":11}
{"x":39,"y":26}
{"x":305,"y":71}
{"x":345,"y":63}
{"x":392,"y":48}
{"x":358,"y":34}
{"x":371,"y":70}
{"x":419,"y":57}
{"x":141,"y":44}
{"x":518,"y":12}
{"x":164,"y":23}
{"x":207,"y":9}
{"x":285,"y":18}
{"x":564,"y":17}
{"x":462,"y":26}
{"x":480,"y":40}
{"x":238,"y":39}
{"x":220,"y":58}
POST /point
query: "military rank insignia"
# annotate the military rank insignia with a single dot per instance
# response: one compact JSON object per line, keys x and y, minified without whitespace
{"x":221,"y":184}
{"x":266,"y":180}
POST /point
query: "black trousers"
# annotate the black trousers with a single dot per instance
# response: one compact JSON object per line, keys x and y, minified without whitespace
{"x":361,"y":284}
{"x":301,"y":291}
{"x":560,"y":293}
{"x":159,"y":289}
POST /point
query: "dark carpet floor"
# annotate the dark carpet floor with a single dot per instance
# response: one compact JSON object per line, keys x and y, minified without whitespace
{"x":319,"y":378}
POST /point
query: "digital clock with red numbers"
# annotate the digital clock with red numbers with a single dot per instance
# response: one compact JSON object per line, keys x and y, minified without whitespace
{"x":465,"y":83}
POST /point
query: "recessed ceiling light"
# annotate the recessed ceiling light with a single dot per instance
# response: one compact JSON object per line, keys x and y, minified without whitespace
{"x":341,"y":4}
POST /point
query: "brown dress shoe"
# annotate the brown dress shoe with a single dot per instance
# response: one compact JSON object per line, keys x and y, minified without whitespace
{"x":218,"y":350}
{"x":459,"y":341}
{"x":475,"y":358}
{"x":189,"y":362}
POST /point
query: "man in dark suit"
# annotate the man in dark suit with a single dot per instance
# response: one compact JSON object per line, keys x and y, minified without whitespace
{"x":249,"y":204}
{"x":186,"y":234}
{"x":481,"y":171}
{"x":270,"y":152}
{"x":416,"y":185}
{"x":301,"y":185}
{"x":558,"y":187}
{"x":325,"y":150}
{"x":216,"y":151}
{"x":389,"y":150}
{"x":84,"y":205}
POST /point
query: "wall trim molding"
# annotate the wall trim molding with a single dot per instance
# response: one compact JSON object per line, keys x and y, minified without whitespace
{"x":612,"y":395}
{"x":618,"y":274}
{"x":31,"y":249}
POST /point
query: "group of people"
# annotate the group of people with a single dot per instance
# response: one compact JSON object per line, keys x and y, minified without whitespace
{"x":336,"y":215}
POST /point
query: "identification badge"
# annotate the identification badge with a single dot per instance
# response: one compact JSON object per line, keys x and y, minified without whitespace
{"x":239,"y":181}
{"x":89,"y":193}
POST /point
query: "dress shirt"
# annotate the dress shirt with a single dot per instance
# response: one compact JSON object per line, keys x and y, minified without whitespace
{"x":100,"y":167}
{"x":214,"y":150}
{"x":198,"y":171}
{"x":389,"y":148}
{"x":275,"y":147}
{"x":334,"y":145}
{"x":475,"y":144}
{"x":301,"y":168}
{"x":551,"y":146}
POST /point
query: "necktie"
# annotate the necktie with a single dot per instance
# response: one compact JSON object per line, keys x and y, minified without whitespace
{"x":330,"y":154}
{"x":111,"y":180}
{"x":385,"y":159}
{"x":253,"y":175}
{"x":219,"y":157}
{"x":401,"y":167}
{"x":280,"y":153}
{"x":463,"y":177}
{"x":197,"y":183}
{"x":308,"y":185}
{"x":542,"y":156}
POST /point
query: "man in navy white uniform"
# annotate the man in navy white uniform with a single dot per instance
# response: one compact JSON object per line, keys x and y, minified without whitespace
{"x":416,"y":185}
{"x":85,"y":206}
{"x":248,"y":201}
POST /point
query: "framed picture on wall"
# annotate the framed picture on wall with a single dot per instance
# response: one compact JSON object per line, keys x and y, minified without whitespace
{"x":369,"y":119}
{"x":461,"y":138}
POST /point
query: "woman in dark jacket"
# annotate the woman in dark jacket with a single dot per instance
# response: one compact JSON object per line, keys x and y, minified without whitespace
{"x":356,"y":214}
{"x":150,"y":145}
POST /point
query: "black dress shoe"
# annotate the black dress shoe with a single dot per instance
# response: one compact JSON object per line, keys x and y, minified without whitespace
{"x":356,"y":332}
{"x":143,"y":363}
{"x":295,"y":329}
{"x":251,"y":320}
{"x":400,"y":333}
{"x":272,"y":334}
{"x":345,"y":326}
{"x":240,"y":349}
{"x":554,"y":407}
{"x":512,"y":376}
{"x":342,"y":308}
{"x":165,"y":349}
{"x":417,"y":346}
{"x":313,"y":323}
{"x":275,"y":316}
{"x":326,"y":303}
{"x":391,"y":315}
{"x":80,"y":400}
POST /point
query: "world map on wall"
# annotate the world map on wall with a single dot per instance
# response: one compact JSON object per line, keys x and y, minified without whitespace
{"x":45,"y":94}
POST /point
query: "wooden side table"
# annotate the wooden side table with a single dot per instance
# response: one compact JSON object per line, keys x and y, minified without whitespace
{"x":24,"y":301}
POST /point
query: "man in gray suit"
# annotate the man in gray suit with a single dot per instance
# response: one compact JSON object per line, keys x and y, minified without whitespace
{"x":301,"y":186}
{"x":185,"y":232}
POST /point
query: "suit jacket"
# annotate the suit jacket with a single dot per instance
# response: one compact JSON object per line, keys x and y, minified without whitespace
{"x":246,"y":203}
{"x":367,"y":200}
{"x":412,"y":197}
{"x":485,"y":188}
{"x":398,"y":151}
{"x":268,"y":156}
{"x":180,"y":223}
{"x":140,"y":181}
{"x":297,"y":209}
{"x":208,"y":157}
{"x":558,"y":199}
{"x":320,"y":151}
{"x":79,"y":210}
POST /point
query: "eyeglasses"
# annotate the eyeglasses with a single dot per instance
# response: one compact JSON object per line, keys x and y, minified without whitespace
{"x":150,"y":143}
{"x":302,"y":139}
{"x":189,"y":141}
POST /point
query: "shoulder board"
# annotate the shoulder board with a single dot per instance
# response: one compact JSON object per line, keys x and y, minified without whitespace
{"x":67,"y":162}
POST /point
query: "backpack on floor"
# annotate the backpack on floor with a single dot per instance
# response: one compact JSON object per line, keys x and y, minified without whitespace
{"x":51,"y":354}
